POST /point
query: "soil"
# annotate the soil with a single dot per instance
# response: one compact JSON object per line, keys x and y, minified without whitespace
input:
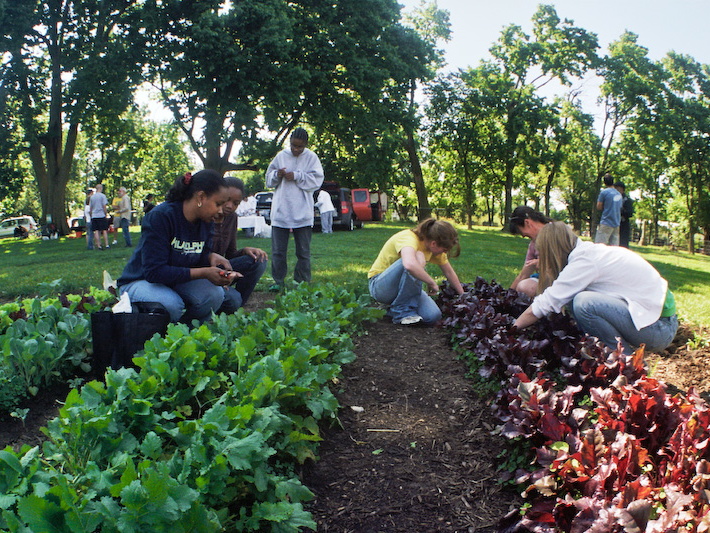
{"x":413,"y":450}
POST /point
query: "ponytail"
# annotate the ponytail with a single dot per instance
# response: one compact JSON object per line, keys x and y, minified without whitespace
{"x":440,"y":231}
{"x":188,"y":185}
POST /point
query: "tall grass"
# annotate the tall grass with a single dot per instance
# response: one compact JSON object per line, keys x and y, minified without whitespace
{"x":342,"y":258}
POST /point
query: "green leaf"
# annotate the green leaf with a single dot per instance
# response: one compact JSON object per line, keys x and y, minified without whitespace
{"x":42,"y":515}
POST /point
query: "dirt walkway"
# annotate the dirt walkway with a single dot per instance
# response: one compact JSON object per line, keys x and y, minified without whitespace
{"x":414,"y":452}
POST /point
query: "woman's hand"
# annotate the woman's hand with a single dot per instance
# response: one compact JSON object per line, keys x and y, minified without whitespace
{"x":529,"y":268}
{"x":526,"y":319}
{"x":217,"y":260}
{"x":256,"y":253}
{"x":432,"y":288}
{"x":219,"y":276}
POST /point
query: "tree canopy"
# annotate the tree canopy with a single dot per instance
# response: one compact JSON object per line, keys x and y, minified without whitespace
{"x":365,"y":79}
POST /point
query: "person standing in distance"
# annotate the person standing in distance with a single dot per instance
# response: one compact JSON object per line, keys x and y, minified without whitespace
{"x":627,"y":211}
{"x":123,"y":214}
{"x":609,"y":203}
{"x":87,"y":220}
{"x":324,"y":203}
{"x":99,"y":214}
{"x":295,"y":174}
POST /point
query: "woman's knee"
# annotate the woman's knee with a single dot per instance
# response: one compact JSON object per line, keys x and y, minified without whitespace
{"x":428,"y":309}
{"x":583,"y":304}
{"x":209,"y":300}
{"x":528,"y":286}
{"x":144,"y":291}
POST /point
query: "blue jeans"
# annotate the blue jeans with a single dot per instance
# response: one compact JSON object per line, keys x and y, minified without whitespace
{"x":126,"y":233}
{"x":279,"y":251}
{"x":607,"y":318}
{"x":89,"y":236}
{"x":326,"y":221}
{"x":403,"y":292}
{"x":195,"y":299}
{"x":237,"y":296}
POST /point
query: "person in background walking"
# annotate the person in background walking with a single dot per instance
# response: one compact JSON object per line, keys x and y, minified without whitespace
{"x":324,"y":203}
{"x":609,"y":203}
{"x":295,"y":173}
{"x":396,"y":276}
{"x":627,"y":211}
{"x":612,"y":293}
{"x":124,"y":215}
{"x":87,"y":221}
{"x":99,"y":216}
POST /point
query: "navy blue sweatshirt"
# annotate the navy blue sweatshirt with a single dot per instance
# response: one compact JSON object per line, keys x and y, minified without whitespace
{"x":169,"y":247}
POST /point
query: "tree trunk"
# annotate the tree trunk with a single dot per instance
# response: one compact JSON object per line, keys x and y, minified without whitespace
{"x":410,"y":145}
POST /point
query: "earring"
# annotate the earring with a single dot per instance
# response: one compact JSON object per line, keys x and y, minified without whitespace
{"x":199,"y":204}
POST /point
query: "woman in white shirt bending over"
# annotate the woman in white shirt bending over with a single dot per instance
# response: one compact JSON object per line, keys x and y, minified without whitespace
{"x":613,"y":292}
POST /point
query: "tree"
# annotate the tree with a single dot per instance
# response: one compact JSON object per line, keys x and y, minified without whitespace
{"x":578,"y":170}
{"x":432,"y":26}
{"x":685,"y":118}
{"x":557,"y":50}
{"x":220,"y":67}
{"x":628,"y":86}
{"x":64,"y":61}
{"x":242,"y":75}
{"x":134,"y":152}
{"x":459,"y":130}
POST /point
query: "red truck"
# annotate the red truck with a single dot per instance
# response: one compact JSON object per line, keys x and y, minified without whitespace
{"x":353,"y":206}
{"x":369,"y":205}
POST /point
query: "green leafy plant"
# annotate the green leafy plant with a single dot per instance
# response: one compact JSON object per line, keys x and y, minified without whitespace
{"x":203,"y":435}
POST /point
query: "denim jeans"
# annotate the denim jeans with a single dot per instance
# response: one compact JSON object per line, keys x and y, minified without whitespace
{"x":403,"y":292}
{"x":607,"y":318}
{"x":126,"y":232}
{"x":326,"y":221}
{"x":279,"y":251}
{"x":239,"y":294}
{"x":195,"y":299}
{"x":89,"y":236}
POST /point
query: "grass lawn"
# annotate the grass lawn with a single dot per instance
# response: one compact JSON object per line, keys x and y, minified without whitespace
{"x":342,"y":258}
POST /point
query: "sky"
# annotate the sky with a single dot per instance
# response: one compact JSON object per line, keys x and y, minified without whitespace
{"x":661,"y":25}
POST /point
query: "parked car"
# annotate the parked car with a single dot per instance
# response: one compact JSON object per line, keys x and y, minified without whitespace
{"x":263,"y":205}
{"x":8,"y":226}
{"x":369,"y":205}
{"x":342,"y":197}
{"x":77,"y":224}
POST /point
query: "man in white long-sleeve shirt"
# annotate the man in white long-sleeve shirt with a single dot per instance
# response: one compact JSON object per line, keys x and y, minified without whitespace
{"x":295,"y":173}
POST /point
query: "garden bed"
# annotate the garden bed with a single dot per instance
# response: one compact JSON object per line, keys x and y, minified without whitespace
{"x":419,"y":456}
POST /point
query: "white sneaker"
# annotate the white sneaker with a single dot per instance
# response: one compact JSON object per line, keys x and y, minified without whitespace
{"x":410,"y":320}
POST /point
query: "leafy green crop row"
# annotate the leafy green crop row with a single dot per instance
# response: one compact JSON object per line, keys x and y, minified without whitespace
{"x":43,"y":341}
{"x":204,"y":436}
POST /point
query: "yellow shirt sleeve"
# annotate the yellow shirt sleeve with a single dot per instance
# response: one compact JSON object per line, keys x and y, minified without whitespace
{"x":391,"y":252}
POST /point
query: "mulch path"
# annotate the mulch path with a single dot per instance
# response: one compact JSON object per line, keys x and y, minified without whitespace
{"x":414,"y":451}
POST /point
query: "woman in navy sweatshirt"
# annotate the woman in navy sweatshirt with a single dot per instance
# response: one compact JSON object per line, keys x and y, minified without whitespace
{"x":173,"y":263}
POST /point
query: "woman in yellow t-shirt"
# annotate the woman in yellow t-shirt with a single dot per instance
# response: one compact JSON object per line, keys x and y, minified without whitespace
{"x":397,"y":274}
